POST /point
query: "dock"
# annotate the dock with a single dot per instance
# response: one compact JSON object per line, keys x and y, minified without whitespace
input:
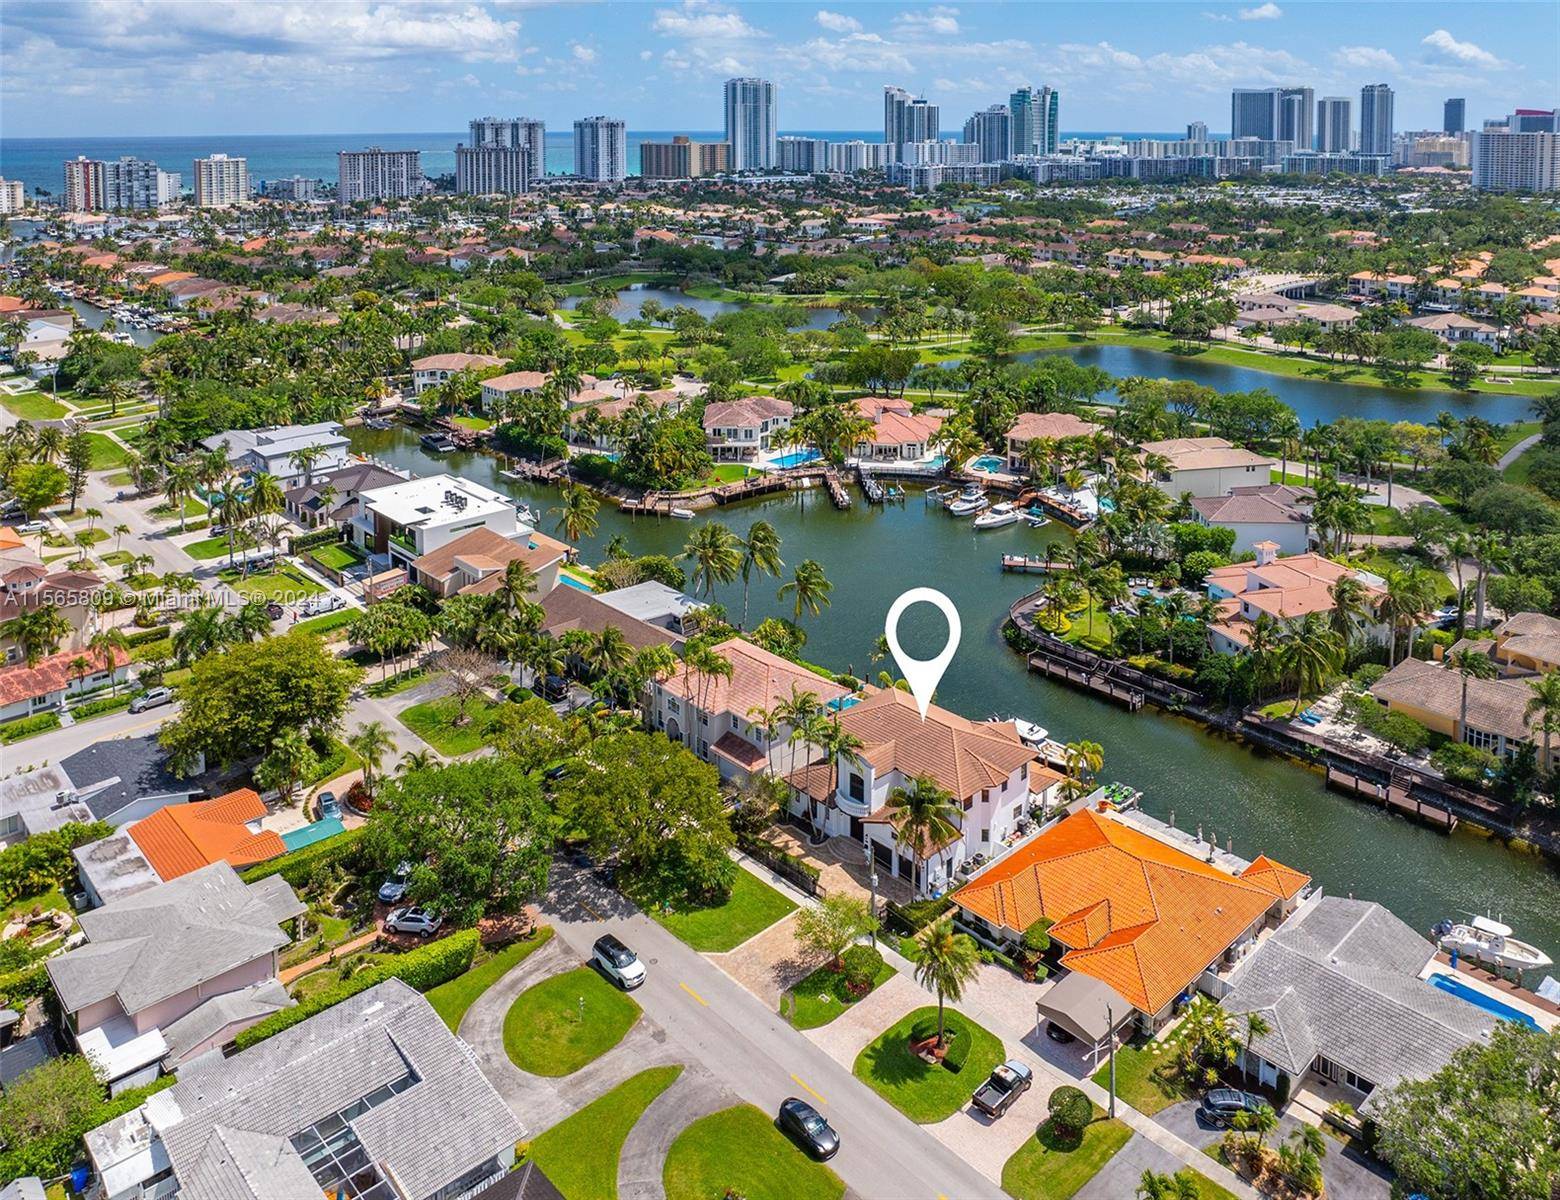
{"x":1032,"y":563}
{"x":836,"y":489}
{"x":870,"y":488}
{"x":1395,"y":796}
{"x":1098,"y":682}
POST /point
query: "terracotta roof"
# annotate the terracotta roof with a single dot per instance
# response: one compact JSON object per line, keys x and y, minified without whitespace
{"x":1272,"y":875}
{"x":516,"y":381}
{"x":751,"y":410}
{"x":758,"y":680}
{"x":567,"y":608}
{"x":536,"y":551}
{"x":1494,"y":705}
{"x":52,"y":674}
{"x":894,"y":425}
{"x":455,"y":362}
{"x":182,"y":838}
{"x":1204,"y":453}
{"x":1272,"y":504}
{"x":1050,"y":425}
{"x":1134,"y":912}
{"x":739,"y":750}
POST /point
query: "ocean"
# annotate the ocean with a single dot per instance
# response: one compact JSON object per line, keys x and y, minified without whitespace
{"x":37,"y":161}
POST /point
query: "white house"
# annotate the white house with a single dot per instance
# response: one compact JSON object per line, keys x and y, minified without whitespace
{"x":408,"y":520}
{"x":1207,"y":466}
{"x":434,"y":369}
{"x":1283,"y":589}
{"x":736,"y":430}
{"x":273,"y":448}
{"x":1273,"y":512}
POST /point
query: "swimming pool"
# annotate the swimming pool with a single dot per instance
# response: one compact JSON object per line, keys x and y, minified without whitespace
{"x":575,"y":583}
{"x":841,"y":703}
{"x":989,"y":463}
{"x":1478,"y":999}
{"x":796,"y":458}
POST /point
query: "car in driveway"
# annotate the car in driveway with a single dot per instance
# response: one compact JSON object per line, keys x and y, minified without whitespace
{"x":1008,"y":1082}
{"x":1218,"y":1107}
{"x":555,"y":688}
{"x":806,"y":1126}
{"x":1057,"y":1034}
{"x":392,"y":889}
{"x":618,"y":961}
{"x":329,"y":805}
{"x":151,"y":698}
{"x":414,"y":920}
{"x":274,"y":610}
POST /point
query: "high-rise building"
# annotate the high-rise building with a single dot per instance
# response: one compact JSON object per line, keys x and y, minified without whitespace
{"x":1334,"y":124}
{"x":1516,"y":162}
{"x":802,"y":155}
{"x":1534,"y":120}
{"x":294,"y":187}
{"x":1455,"y":116}
{"x":601,"y":149}
{"x":515,"y":131}
{"x":682,"y":158}
{"x":492,"y":169}
{"x":991,"y":130}
{"x":13,"y":196}
{"x":846,"y":158}
{"x":908,"y":118}
{"x":1034,"y":121}
{"x":1296,"y":110}
{"x":751,"y":124}
{"x":1376,"y":119}
{"x":85,"y":187}
{"x":1254,"y":113}
{"x":1197,"y":132}
{"x":221,"y":181}
{"x":376,"y":174}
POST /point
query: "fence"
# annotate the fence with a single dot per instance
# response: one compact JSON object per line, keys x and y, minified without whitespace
{"x":788,"y":866}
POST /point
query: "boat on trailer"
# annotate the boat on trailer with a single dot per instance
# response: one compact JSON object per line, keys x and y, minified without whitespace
{"x":437,"y":443}
{"x":1487,"y":940}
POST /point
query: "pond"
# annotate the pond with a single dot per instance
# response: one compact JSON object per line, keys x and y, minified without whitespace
{"x":1263,"y":803}
{"x":626,"y":306}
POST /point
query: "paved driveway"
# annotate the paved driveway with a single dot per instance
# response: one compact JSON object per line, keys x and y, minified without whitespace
{"x":1346,"y":1173}
{"x":1120,"y":1175}
{"x":768,"y":962}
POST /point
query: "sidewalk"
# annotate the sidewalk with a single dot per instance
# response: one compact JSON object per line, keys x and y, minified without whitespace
{"x":288,"y":974}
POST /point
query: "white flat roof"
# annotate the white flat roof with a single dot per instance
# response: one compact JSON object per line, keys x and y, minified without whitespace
{"x":115,"y":1049}
{"x":435,"y":498}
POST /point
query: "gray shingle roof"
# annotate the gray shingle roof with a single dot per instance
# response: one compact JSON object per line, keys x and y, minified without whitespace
{"x":138,"y":764}
{"x":1341,"y":979}
{"x":161,"y":941}
{"x":447,"y":1122}
{"x":199,"y":1025}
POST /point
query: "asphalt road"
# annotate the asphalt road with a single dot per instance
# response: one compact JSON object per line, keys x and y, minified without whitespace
{"x":753,"y":1052}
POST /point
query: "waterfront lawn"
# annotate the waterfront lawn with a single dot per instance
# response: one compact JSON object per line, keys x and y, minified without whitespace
{"x":283,"y":585}
{"x":452,"y":998}
{"x":1051,"y":1167}
{"x":34,"y":406}
{"x":557,"y":1026}
{"x":729,"y":473}
{"x":1147,"y":1081}
{"x":434,"y":722}
{"x":739,"y":1152}
{"x":752,"y":907}
{"x":1100,"y":639}
{"x":822,"y":996}
{"x":475,"y":424}
{"x":211,"y":548}
{"x":581,"y":1155}
{"x":924,"y":1092}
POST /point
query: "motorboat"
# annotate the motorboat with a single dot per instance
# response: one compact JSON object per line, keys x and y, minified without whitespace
{"x":438,"y":443}
{"x":1030,"y":734}
{"x":682,"y":514}
{"x":1035,"y":516}
{"x":1000,"y":515}
{"x":525,"y":516}
{"x":1487,"y":940}
{"x":970,"y":500}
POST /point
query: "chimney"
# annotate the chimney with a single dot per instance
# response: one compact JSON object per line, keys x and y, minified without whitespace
{"x":1266,"y":552}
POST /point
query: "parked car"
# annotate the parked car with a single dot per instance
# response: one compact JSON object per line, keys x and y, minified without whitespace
{"x":151,"y":698}
{"x":805,"y":1125}
{"x":329,"y":805}
{"x":414,"y":920}
{"x":1057,"y":1034}
{"x":555,"y":688}
{"x":1008,"y":1082}
{"x":1221,"y":1104}
{"x":392,"y":889}
{"x":31,"y":528}
{"x":274,"y":610}
{"x":619,"y":962}
{"x":316,"y":606}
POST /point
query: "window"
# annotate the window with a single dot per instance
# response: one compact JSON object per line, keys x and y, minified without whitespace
{"x":672,"y":706}
{"x":857,"y":787}
{"x":1480,"y":739}
{"x":1358,"y":1083}
{"x":985,"y":834}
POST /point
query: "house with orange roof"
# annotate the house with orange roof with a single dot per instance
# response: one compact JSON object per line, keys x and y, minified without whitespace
{"x":897,"y":434}
{"x":716,"y":717}
{"x":1135,"y":908}
{"x":182,"y":838}
{"x":996,"y":780}
{"x":1054,"y":427}
{"x":1283,"y":589}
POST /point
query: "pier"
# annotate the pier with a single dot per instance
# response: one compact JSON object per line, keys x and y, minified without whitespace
{"x":1395,"y":795}
{"x":1031,"y":563}
{"x":1099,"y":683}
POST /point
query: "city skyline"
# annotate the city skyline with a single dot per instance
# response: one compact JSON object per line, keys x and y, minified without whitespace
{"x":362,"y":67}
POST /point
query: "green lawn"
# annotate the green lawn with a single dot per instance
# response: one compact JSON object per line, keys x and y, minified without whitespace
{"x":475,"y":424}
{"x":451,"y":1000}
{"x":562,"y":1023}
{"x":822,"y":996}
{"x":337,"y":555}
{"x":156,"y":648}
{"x":324,"y":625}
{"x":729,"y":473}
{"x":53,"y":898}
{"x":107,"y":454}
{"x":1048,"y":1167}
{"x":1385,"y":520}
{"x":327,"y":932}
{"x":739,"y":1152}
{"x":753,"y":906}
{"x":217,"y":547}
{"x":281,"y":585}
{"x":34,"y":406}
{"x":192,"y":508}
{"x":580,"y":1155}
{"x":923,"y":1092}
{"x":434,"y":722}
{"x":1147,"y":1081}
{"x":327,"y":977}
{"x":399,"y":682}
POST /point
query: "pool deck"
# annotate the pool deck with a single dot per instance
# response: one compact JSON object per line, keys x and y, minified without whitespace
{"x":1546,"y":1013}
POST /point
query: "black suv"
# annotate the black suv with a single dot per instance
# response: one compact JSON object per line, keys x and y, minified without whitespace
{"x":1220,"y":1105}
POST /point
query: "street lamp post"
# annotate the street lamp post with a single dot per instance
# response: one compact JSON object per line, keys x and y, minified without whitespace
{"x":1110,"y":1021}
{"x":872,"y":882}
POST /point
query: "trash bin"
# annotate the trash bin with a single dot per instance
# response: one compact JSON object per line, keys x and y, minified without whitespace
{"x":80,"y":1176}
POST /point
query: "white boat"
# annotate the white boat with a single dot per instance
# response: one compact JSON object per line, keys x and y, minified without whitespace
{"x":1030,"y":734}
{"x":1000,"y":515}
{"x":682,"y":514}
{"x":1486,"y":940}
{"x":970,"y":500}
{"x":525,"y":516}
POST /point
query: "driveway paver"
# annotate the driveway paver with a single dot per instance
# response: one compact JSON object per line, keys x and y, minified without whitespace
{"x":768,"y":962}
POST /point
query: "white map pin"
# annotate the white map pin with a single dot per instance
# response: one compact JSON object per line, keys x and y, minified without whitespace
{"x":922,"y":674}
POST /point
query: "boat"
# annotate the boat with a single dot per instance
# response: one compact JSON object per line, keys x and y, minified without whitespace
{"x":438,"y":443}
{"x":1000,"y":515}
{"x":1487,"y":940}
{"x":1030,"y":734}
{"x":682,"y":514}
{"x":1035,"y":517}
{"x":375,"y":423}
{"x":525,"y":516}
{"x":970,"y":500}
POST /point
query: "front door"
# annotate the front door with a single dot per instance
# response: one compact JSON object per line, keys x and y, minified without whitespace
{"x":855,"y":829}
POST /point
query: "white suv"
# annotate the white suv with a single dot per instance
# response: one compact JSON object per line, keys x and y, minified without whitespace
{"x":619,"y":962}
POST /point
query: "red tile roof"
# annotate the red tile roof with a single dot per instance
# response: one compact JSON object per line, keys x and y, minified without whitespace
{"x":52,"y":674}
{"x":185,"y":837}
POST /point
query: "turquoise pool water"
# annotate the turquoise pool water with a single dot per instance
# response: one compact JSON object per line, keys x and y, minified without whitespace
{"x":989,"y":462}
{"x":575,"y":583}
{"x":797,"y":458}
{"x":1478,"y":999}
{"x":842,"y":703}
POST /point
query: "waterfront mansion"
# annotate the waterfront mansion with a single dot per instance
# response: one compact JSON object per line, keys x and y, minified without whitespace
{"x":1285,"y":589}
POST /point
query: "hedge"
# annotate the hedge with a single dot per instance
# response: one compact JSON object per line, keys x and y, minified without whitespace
{"x":44,"y":861}
{"x":910,"y":919}
{"x":320,"y":537}
{"x":296,"y":868}
{"x":96,"y":708}
{"x":15,"y":731}
{"x":958,"y":1050}
{"x":423,"y":968}
{"x":142,"y":637}
{"x":18,"y":987}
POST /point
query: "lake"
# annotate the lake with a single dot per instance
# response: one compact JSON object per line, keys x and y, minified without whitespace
{"x":626,"y":306}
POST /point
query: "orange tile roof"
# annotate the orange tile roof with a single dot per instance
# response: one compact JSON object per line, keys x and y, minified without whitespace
{"x":185,"y":837}
{"x":758,"y":679}
{"x":1134,"y":912}
{"x":1284,"y":882}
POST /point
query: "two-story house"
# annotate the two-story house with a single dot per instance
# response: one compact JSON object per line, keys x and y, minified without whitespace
{"x":1283,"y":589}
{"x":275,"y":450}
{"x":1274,"y":512}
{"x":408,"y":520}
{"x":1053,"y":427}
{"x":995,"y":780}
{"x":434,"y":369}
{"x":740,"y":430}
{"x":1206,"y":466}
{"x":173,"y":971}
{"x":897,"y":433}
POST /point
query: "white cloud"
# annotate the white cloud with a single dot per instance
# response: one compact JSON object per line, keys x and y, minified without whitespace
{"x":837,"y":22}
{"x":1102,"y":54}
{"x":1263,"y":12}
{"x":940,"y":20}
{"x":703,"y":20}
{"x":1217,"y":16}
{"x":582,"y":53}
{"x":1365,"y":58}
{"x":1464,"y":52}
{"x":646,"y":55}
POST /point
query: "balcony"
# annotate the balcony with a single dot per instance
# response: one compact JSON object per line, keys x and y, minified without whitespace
{"x":404,"y":541}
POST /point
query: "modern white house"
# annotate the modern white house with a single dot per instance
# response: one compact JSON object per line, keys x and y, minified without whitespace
{"x":273,"y":448}
{"x":1207,"y":466}
{"x":408,"y":520}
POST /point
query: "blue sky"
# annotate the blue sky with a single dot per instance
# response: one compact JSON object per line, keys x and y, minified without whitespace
{"x":126,"y":67}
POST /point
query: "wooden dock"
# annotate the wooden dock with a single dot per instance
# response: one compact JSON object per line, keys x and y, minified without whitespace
{"x":1393,"y":796}
{"x":1091,"y":681}
{"x":836,"y":489}
{"x":1025,"y":564}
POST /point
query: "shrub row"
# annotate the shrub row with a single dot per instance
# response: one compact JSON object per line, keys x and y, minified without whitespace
{"x":772,"y":854}
{"x":423,"y":968}
{"x":96,"y":708}
{"x":22,"y":727}
{"x":299,"y":866}
{"x":320,"y":537}
{"x":143,"y":636}
{"x":18,"y":987}
{"x":910,"y":919}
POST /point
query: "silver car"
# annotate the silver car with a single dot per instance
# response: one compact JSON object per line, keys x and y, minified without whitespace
{"x":414,"y":920}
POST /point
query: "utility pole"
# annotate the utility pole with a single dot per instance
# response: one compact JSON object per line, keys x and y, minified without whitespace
{"x":1110,"y":1020}
{"x":872,"y":882}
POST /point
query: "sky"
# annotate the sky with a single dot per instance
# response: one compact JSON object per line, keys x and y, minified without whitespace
{"x":169,"y":67}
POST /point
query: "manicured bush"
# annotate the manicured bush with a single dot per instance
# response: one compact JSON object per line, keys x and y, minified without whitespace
{"x":423,"y":968}
{"x":320,"y":537}
{"x":96,"y":708}
{"x":15,"y":731}
{"x":1281,"y":1091}
{"x":44,"y":861}
{"x":1071,"y":1111}
{"x":958,"y":1049}
{"x":141,"y":637}
{"x":861,"y":966}
{"x":924,"y":1030}
{"x":914,"y":917}
{"x":300,"y":866}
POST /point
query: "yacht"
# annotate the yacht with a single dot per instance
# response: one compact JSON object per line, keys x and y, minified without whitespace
{"x":1032,"y":735}
{"x":970,"y":500}
{"x":437,"y":443}
{"x":1000,"y":515}
{"x":1486,"y":940}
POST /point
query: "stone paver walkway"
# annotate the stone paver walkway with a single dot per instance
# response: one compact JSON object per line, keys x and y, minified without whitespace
{"x":769,"y":962}
{"x":843,"y":1038}
{"x":695,"y":1094}
{"x":288,"y":974}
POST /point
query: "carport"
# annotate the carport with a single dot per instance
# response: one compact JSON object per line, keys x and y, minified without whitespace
{"x":1089,"y":1009}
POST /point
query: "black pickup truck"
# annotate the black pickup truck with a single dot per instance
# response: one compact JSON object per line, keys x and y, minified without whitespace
{"x":1007,"y":1083}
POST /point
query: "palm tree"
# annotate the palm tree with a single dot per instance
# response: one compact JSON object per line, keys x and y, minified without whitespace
{"x":837,"y":743}
{"x":518,"y":583}
{"x":577,"y":513}
{"x":119,"y":535}
{"x":1489,"y":553}
{"x":248,"y":624}
{"x":1256,"y":1026}
{"x":416,"y":760}
{"x":924,"y":816}
{"x":1350,"y":609}
{"x":1544,"y":703}
{"x":1470,"y":664}
{"x":1313,"y":652}
{"x":303,"y":459}
{"x":371,"y":743}
{"x":760,"y":552}
{"x":715,"y":554}
{"x":608,"y":652}
{"x":809,"y":587}
{"x":945,"y":962}
{"x":1083,"y":761}
{"x":105,"y":644}
{"x":201,"y":633}
{"x":1406,"y":601}
{"x":93,"y":516}
{"x":38,"y":633}
{"x":178,"y":483}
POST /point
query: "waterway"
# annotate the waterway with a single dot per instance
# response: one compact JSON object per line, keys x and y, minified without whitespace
{"x":1266,"y":804}
{"x":93,"y":316}
{"x":625,"y":306}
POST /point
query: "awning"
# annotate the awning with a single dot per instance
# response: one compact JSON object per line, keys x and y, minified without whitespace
{"x":1077,"y":1003}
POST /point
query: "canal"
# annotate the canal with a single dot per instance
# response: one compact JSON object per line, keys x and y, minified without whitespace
{"x":1264,"y":803}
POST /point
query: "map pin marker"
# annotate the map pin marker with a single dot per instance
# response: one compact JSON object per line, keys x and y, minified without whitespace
{"x":922,"y":674}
